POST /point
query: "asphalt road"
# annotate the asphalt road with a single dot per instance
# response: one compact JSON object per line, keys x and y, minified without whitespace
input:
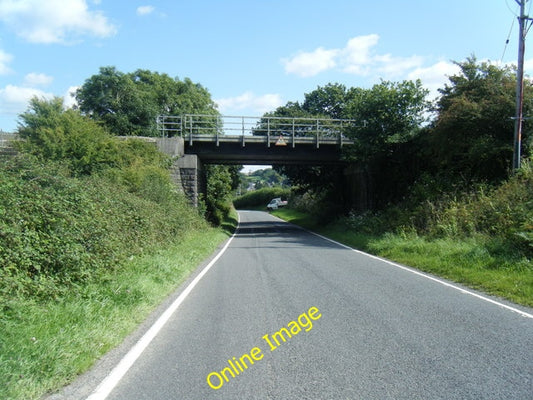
{"x":363,"y":329}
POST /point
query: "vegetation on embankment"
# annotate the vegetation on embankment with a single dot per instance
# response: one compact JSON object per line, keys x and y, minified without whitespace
{"x":483,"y":239}
{"x":93,"y":235}
{"x":47,"y":343}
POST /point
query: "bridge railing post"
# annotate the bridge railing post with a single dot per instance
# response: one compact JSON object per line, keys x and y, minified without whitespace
{"x":317,"y":134}
{"x":293,"y":132}
{"x":216,"y":131}
{"x":268,"y":132}
{"x":190,"y":130}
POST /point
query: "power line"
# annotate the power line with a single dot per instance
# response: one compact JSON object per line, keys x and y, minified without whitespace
{"x":512,"y":12}
{"x":507,"y":41}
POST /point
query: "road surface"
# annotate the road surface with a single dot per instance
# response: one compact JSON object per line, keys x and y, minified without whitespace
{"x":361,"y":328}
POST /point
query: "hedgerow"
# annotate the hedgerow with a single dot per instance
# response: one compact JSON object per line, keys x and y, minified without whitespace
{"x":57,"y":230}
{"x":501,"y":216}
{"x":77,"y":202}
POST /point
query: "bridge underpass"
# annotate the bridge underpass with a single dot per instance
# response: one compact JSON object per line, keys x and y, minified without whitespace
{"x":238,"y":140}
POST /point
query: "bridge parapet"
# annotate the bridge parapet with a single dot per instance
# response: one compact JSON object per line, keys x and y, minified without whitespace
{"x":279,"y":131}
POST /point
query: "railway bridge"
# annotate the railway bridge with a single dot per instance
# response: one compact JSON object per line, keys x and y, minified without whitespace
{"x":214,"y":139}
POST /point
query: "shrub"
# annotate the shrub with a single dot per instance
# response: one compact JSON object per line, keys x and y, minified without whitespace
{"x":219,"y":186}
{"x":57,"y":230}
{"x":52,"y":133}
{"x":502,"y":215}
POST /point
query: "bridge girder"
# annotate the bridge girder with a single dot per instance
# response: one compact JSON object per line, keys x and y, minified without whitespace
{"x":258,"y":153}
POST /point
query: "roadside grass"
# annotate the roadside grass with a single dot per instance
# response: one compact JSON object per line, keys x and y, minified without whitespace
{"x":473,"y":262}
{"x":296,"y":217}
{"x":46,"y":344}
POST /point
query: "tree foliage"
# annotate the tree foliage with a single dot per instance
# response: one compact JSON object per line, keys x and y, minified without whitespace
{"x":262,"y":178}
{"x":55,"y":134}
{"x":386,"y":115}
{"x":219,"y":189}
{"x":129,"y":103}
{"x":397,"y":146}
{"x":473,"y":133}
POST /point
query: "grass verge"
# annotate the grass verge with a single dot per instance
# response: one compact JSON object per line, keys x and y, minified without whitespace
{"x":471,"y":262}
{"x":45,"y":345}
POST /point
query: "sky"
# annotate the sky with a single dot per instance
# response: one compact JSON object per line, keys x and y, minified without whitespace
{"x":252,"y":56}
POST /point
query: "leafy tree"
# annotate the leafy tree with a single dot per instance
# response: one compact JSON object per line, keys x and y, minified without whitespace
{"x":390,"y":113}
{"x":472,"y":136}
{"x":57,"y":134}
{"x":128,"y":104}
{"x":262,"y":178}
{"x":219,"y":189}
{"x":53,"y":133}
{"x":329,"y":101}
{"x":325,"y":102}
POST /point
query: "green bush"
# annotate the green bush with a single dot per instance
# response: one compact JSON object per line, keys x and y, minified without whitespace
{"x":501,"y":215}
{"x":260,"y":197}
{"x":52,"y":133}
{"x":219,"y":187}
{"x":57,"y":230}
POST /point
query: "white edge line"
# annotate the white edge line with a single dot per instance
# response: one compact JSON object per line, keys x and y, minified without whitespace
{"x":516,"y":310}
{"x":113,"y":378}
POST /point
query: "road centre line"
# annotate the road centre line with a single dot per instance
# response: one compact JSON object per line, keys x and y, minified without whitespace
{"x":113,"y":378}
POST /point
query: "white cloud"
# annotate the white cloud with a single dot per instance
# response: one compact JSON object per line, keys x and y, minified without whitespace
{"x":15,"y":99}
{"x":34,"y":79}
{"x":310,"y":64}
{"x":54,"y":21}
{"x":528,"y":65}
{"x":357,"y":58}
{"x":5,"y":59}
{"x":69,"y":101}
{"x":250,"y":101}
{"x":145,"y":10}
{"x":435,"y":76}
{"x":394,"y":67}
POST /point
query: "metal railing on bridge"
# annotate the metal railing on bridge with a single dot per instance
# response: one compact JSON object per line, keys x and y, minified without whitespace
{"x":201,"y":127}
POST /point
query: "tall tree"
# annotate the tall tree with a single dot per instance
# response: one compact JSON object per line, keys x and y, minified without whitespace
{"x":389,"y":113}
{"x":128,"y":104}
{"x":473,"y":133}
{"x":329,"y":101}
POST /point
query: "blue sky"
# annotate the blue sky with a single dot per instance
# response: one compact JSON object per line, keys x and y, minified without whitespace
{"x":252,"y":55}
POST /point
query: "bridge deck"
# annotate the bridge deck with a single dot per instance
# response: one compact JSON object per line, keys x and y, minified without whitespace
{"x":221,"y":139}
{"x":269,"y":140}
{"x":258,"y":150}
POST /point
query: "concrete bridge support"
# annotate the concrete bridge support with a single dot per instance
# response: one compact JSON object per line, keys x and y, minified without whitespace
{"x":188,"y":174}
{"x":187,"y":171}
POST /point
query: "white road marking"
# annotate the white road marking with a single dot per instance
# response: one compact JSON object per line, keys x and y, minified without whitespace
{"x":114,"y":377}
{"x":413,"y":271}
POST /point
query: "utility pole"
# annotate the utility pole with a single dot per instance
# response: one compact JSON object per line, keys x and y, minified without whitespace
{"x":523,"y":28}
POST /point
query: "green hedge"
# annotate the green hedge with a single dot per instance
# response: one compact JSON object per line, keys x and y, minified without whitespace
{"x":57,"y":230}
{"x":261,"y":197}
